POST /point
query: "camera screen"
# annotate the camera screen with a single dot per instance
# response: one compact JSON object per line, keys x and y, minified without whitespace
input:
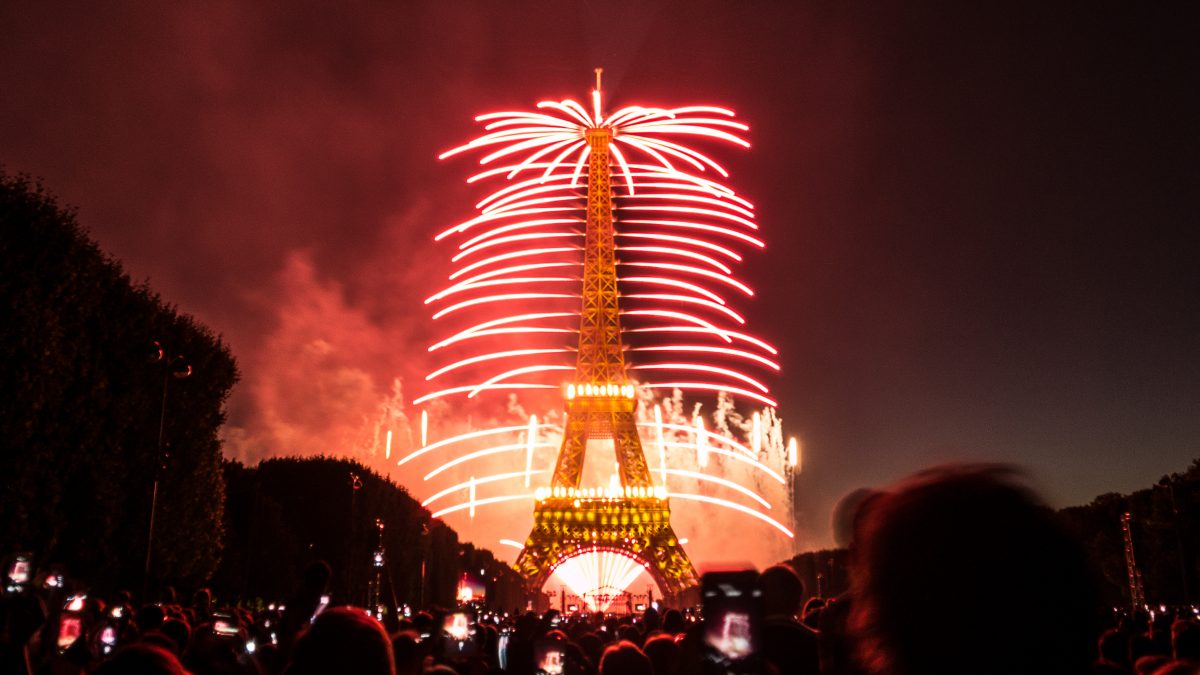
{"x":224,"y":626}
{"x":458,"y":636}
{"x":108,"y":640}
{"x":19,"y":571}
{"x":731,"y":635}
{"x":549,"y":658}
{"x":69,"y":630}
{"x":732,"y":621}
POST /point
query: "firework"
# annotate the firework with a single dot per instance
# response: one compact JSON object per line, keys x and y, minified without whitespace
{"x":511,"y":311}
{"x":680,"y":232}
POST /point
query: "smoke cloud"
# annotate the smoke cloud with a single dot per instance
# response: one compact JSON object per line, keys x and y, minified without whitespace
{"x":945,"y":194}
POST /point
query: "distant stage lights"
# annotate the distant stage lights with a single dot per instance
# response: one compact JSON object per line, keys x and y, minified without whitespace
{"x":610,"y":390}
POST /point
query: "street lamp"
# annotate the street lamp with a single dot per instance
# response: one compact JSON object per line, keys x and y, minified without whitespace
{"x":174,"y":366}
{"x":425,"y":547}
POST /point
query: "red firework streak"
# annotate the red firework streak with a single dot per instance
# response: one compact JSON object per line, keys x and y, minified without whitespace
{"x":680,"y":235}
{"x":513,"y":301}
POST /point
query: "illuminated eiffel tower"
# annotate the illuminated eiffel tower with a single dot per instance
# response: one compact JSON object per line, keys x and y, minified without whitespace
{"x":634,"y":520}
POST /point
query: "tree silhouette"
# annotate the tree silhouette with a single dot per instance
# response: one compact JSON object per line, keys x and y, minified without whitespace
{"x":79,"y":427}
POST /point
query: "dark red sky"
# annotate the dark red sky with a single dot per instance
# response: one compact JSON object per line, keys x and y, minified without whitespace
{"x":981,"y":223}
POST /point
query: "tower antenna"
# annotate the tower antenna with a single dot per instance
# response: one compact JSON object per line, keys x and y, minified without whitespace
{"x":596,"y":116}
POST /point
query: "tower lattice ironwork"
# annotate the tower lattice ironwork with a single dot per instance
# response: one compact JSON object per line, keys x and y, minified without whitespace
{"x":601,"y":404}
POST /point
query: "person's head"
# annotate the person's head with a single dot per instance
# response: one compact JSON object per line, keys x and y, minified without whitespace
{"x":409,"y":657}
{"x":202,"y":600}
{"x":1114,"y":647}
{"x":663,"y":654}
{"x":142,"y":659}
{"x":1178,"y":668}
{"x":148,"y":618}
{"x":651,"y":620}
{"x":1148,"y":664}
{"x":673,"y":622}
{"x":624,"y":658}
{"x":1141,"y":645}
{"x":941,"y":564}
{"x":315,"y":580}
{"x":782,"y":590}
{"x":343,"y":640}
{"x":1185,"y":640}
{"x":630,"y":634}
{"x":592,"y":646}
{"x":160,"y":639}
{"x":178,"y":631}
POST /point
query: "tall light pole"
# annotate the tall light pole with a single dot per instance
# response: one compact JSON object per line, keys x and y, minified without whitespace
{"x":174,"y":366}
{"x":426,"y":549}
{"x":377,"y":563}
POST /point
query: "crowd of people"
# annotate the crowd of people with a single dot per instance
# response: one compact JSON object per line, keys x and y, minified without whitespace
{"x":957,"y":570}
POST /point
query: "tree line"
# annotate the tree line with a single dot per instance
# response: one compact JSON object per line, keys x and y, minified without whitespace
{"x":94,"y":412}
{"x":1164,"y":531}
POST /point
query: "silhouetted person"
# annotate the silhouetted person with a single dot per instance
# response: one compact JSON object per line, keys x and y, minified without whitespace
{"x":624,"y":658}
{"x":673,"y":622}
{"x":592,"y":646}
{"x":303,"y":604}
{"x":142,"y":659}
{"x":663,"y":654}
{"x":179,"y":631}
{"x":787,"y":644}
{"x":1185,"y":640}
{"x":407,"y":651}
{"x":1114,"y":653}
{"x":148,"y":618}
{"x":962,"y":570}
{"x":651,"y":621}
{"x":1150,"y":664}
{"x":343,"y":640}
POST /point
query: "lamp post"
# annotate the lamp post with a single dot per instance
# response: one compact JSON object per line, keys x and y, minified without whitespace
{"x":351,"y":575}
{"x":377,"y":562}
{"x":426,"y":549}
{"x":174,"y":366}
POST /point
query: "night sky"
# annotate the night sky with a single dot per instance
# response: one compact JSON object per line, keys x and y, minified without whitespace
{"x":981,"y":222}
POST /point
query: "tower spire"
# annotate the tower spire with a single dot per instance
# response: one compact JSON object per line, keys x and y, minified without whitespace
{"x":596,"y":113}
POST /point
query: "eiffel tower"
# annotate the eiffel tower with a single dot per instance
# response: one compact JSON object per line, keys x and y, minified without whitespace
{"x":600,"y":404}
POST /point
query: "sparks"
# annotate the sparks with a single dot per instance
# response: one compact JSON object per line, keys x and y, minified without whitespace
{"x":599,"y":576}
{"x":681,"y":228}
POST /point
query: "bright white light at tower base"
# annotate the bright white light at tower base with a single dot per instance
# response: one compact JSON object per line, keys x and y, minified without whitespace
{"x":598,"y":576}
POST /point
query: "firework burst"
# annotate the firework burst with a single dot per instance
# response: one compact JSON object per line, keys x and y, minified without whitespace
{"x":511,"y":311}
{"x":680,"y":233}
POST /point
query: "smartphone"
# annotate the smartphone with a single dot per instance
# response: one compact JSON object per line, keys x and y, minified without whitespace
{"x":17,"y":574}
{"x":225,"y":625}
{"x":549,"y":658}
{"x":732,"y":622}
{"x":458,"y":637}
{"x":108,"y":639}
{"x":70,"y":627}
{"x":502,"y":647}
{"x":320,"y":608}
